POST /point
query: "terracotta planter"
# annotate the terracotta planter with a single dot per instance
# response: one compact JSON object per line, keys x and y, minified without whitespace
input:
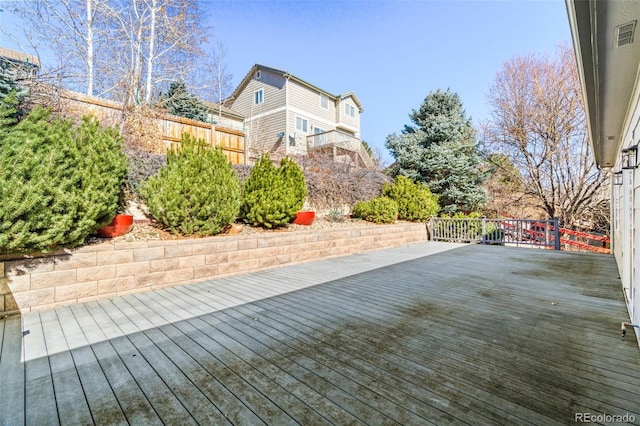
{"x":304,"y":218}
{"x":120,"y":225}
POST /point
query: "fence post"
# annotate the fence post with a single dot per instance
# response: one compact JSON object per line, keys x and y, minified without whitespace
{"x":430,"y":229}
{"x":556,"y":234}
{"x":484,"y":230}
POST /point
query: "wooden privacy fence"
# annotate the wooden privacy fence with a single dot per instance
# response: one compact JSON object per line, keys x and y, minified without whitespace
{"x":170,"y":127}
{"x":511,"y":232}
{"x":231,"y":141}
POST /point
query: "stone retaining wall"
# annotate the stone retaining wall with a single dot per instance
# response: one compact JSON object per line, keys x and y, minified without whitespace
{"x":115,"y":267}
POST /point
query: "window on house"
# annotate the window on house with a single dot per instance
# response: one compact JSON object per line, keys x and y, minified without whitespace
{"x":350,"y":110}
{"x":324,"y":102}
{"x":320,"y":137}
{"x":302,"y":124}
{"x":258,"y":75}
{"x":258,"y":96}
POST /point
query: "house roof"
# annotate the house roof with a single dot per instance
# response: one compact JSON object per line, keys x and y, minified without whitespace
{"x":608,"y":65}
{"x":298,"y":80}
{"x":16,"y":56}
{"x":226,"y":111}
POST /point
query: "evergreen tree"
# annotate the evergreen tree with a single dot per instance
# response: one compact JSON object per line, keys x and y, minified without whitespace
{"x":59,"y":181}
{"x":196,"y":193}
{"x":273,"y":196}
{"x":11,"y":93}
{"x":8,"y":113}
{"x":179,"y":101}
{"x":440,"y":150}
{"x":293,"y":178}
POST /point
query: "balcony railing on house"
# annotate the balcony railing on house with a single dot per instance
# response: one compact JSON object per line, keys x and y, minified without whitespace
{"x":342,"y":145}
{"x":510,"y":232}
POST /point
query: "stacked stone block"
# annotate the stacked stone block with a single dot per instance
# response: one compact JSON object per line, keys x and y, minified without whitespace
{"x":116,"y":267}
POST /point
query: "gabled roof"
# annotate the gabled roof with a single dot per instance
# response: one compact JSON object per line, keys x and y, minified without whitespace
{"x":226,"y":111}
{"x":16,"y":56}
{"x":354,"y":97}
{"x":247,"y":78}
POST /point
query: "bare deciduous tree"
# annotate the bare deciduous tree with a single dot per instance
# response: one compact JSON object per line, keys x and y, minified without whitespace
{"x":538,"y":121}
{"x":71,"y":29}
{"x":123,"y":49}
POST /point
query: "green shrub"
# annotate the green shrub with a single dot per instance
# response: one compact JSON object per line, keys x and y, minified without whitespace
{"x":415,"y":200}
{"x":59,"y":182}
{"x":273,"y":196}
{"x":378,"y":210}
{"x":294,"y":181}
{"x":196,"y":193}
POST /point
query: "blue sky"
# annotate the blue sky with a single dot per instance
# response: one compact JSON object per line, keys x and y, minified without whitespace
{"x":390,"y":53}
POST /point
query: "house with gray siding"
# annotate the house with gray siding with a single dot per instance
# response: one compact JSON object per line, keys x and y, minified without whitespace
{"x":290,"y":116}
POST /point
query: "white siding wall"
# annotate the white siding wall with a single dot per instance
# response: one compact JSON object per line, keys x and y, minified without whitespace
{"x":625,"y":217}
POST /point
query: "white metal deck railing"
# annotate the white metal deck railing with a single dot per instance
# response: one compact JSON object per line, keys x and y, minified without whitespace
{"x":513,"y":232}
{"x":335,"y":138}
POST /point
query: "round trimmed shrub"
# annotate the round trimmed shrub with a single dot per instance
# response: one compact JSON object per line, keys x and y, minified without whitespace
{"x":59,"y":181}
{"x":378,"y":210}
{"x":273,"y":196}
{"x":197,"y":192}
{"x":415,"y":200}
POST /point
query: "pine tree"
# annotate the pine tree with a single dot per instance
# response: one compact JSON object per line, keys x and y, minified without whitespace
{"x":293,"y":178}
{"x":273,"y":196}
{"x":440,"y":150}
{"x":11,"y":95}
{"x":196,"y":193}
{"x":179,"y":101}
{"x":59,"y":182}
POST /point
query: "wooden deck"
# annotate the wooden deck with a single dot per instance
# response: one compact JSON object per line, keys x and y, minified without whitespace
{"x":414,"y":335}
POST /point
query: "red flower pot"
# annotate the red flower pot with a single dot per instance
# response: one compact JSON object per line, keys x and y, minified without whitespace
{"x":304,"y":218}
{"x":120,"y":225}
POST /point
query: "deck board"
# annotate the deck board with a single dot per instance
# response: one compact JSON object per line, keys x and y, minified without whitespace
{"x":40,"y":399}
{"x":71,"y":400}
{"x":412,"y":336}
{"x":12,"y":396}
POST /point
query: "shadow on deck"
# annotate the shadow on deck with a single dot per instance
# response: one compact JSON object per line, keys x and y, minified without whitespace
{"x":475,"y":334}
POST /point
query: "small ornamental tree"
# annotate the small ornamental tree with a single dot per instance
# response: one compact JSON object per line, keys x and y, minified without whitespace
{"x":273,"y":196}
{"x":415,"y":200}
{"x":59,"y":181}
{"x":196,"y":193}
{"x":378,"y":210}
